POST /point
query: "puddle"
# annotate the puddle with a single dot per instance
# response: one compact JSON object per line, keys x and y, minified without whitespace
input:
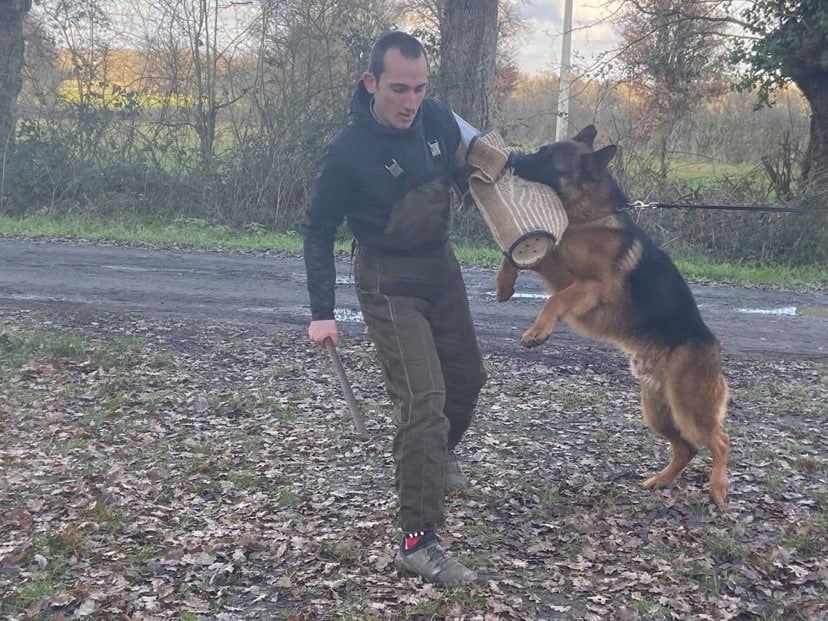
{"x":126,"y":268}
{"x":159,"y":270}
{"x":789,"y":311}
{"x":518,"y":295}
{"x":265,"y":310}
{"x":345,"y":314}
{"x":340,"y":314}
{"x":63,"y":299}
{"x":785,"y":310}
{"x":42,"y":298}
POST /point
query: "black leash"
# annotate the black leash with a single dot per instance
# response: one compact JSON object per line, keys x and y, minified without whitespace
{"x":765,"y":208}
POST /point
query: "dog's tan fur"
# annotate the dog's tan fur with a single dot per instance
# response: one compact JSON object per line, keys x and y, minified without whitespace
{"x":683,"y":390}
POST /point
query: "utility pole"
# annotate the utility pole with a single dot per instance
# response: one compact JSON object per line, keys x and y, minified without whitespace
{"x":562,"y":125}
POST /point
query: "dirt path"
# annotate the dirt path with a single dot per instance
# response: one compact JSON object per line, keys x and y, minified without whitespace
{"x":268,"y":293}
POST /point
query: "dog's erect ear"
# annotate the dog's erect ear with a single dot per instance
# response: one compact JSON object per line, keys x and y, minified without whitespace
{"x":586,"y":135}
{"x":596,"y":162}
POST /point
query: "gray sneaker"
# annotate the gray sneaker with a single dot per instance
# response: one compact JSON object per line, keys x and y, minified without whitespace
{"x":455,"y":479}
{"x":432,"y":563}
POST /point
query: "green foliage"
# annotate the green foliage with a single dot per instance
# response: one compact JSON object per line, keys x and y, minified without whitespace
{"x":782,"y":32}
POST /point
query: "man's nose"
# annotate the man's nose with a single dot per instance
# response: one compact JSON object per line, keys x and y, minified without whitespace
{"x":411,"y":100}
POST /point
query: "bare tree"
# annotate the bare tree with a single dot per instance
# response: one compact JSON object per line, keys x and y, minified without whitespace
{"x":12,"y":13}
{"x":774,"y":43}
{"x":672,"y":60}
{"x":468,"y":54}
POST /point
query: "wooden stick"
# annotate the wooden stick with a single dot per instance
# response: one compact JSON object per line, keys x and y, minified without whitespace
{"x":356,"y":413}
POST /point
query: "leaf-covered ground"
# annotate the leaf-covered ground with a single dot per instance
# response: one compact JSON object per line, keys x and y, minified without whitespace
{"x":177,"y":470}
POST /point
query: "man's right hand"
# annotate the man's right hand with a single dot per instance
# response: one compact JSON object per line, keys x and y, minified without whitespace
{"x":322,"y":329}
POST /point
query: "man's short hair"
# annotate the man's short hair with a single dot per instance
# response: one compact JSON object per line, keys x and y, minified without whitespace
{"x":408,"y":46}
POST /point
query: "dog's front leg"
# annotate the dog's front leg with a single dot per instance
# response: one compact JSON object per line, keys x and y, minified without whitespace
{"x":506,"y":276}
{"x":575,"y":300}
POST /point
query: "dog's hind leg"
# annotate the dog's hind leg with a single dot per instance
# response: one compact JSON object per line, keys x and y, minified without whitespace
{"x":698,"y":396}
{"x":659,"y":418}
{"x":720,"y":450}
{"x":507,"y":274}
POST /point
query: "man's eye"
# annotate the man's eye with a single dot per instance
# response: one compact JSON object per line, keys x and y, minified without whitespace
{"x":399,"y":89}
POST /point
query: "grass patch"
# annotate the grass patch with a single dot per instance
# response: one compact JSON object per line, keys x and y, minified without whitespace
{"x":806,"y":545}
{"x":487,"y":256}
{"x":58,"y":547}
{"x":343,"y":551}
{"x":30,"y":593}
{"x":119,"y":354}
{"x":197,"y":233}
{"x":708,"y":579}
{"x":484,"y":535}
{"x":66,"y":345}
{"x":287,"y":498}
{"x":19,"y":347}
{"x":189,"y":232}
{"x":145,"y":553}
{"x":744,"y":274}
{"x":277,"y":409}
{"x":95,"y":417}
{"x":109,"y":518}
{"x":773,"y":481}
{"x":162,"y":359}
{"x":466,"y":597}
{"x":724,"y":545}
{"x":783,"y":398}
{"x":245,"y":479}
{"x":575,"y":396}
{"x":705,"y":173}
{"x":474,"y":560}
{"x":644,"y":608}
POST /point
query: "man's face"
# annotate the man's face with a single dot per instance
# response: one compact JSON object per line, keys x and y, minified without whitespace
{"x":400,"y":90}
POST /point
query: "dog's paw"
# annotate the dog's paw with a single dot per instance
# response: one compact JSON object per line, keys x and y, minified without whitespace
{"x":658,"y":481}
{"x":505,"y":293}
{"x":533,"y":338}
{"x":718,"y":493}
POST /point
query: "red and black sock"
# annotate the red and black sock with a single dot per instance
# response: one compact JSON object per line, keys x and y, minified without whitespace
{"x":416,"y":540}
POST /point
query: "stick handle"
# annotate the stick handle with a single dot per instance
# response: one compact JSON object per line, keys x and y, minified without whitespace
{"x":356,"y":413}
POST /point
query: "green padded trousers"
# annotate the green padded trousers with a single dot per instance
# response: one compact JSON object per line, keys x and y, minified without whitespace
{"x":417,"y":313}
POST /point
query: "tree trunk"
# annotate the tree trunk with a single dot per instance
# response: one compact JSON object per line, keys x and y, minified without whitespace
{"x":815,"y":162}
{"x":467,"y":59}
{"x":12,"y":13}
{"x":804,"y":61}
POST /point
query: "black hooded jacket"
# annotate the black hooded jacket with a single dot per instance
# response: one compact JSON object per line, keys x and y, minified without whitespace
{"x":392,"y":185}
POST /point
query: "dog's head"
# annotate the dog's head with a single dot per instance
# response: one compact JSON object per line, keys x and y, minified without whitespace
{"x":571,"y":167}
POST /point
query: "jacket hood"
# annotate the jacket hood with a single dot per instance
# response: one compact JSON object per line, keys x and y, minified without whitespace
{"x":360,"y":114}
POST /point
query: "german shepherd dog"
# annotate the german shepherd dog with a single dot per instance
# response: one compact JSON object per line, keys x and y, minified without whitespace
{"x":610,"y":281}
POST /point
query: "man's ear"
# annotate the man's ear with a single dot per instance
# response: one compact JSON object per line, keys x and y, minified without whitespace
{"x":595,"y":163}
{"x":370,"y":82}
{"x":586,"y":135}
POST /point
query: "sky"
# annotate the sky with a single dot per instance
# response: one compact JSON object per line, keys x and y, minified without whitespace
{"x":540,"y":45}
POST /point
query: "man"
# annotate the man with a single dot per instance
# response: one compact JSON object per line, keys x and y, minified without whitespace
{"x":388,"y":172}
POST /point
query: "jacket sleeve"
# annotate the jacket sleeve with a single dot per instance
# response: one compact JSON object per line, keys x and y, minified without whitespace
{"x":332,"y":191}
{"x":459,"y":171}
{"x":452,"y":133}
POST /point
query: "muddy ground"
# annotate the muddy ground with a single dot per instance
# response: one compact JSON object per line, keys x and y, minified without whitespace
{"x":173,"y":448}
